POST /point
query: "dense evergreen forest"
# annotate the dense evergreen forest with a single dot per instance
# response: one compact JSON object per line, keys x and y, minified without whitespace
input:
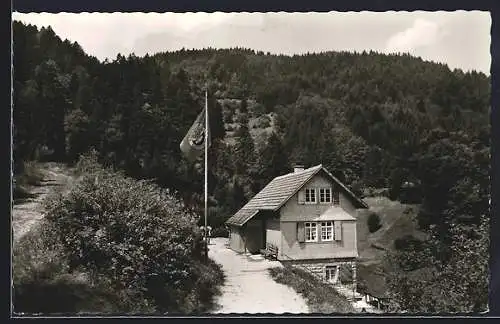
{"x":374,"y":120}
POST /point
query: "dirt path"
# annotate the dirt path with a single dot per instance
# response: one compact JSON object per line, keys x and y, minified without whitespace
{"x":249,"y":288}
{"x":30,"y":211}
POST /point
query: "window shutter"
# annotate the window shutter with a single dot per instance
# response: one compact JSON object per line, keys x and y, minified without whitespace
{"x":302,"y":196}
{"x":301,"y":233}
{"x":338,"y":231}
{"x":336,"y":197}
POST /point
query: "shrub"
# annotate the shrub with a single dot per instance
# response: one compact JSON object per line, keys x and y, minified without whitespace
{"x":374,"y":222}
{"x":357,"y":188}
{"x":396,"y":179}
{"x":88,"y":163}
{"x":43,"y":283}
{"x":134,"y":236}
{"x":263,"y":121}
{"x":35,"y":251}
{"x":220,"y":232}
{"x":407,"y":242}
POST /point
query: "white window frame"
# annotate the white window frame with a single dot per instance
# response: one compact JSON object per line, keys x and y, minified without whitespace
{"x":323,"y":194}
{"x":311,"y":228}
{"x":327,"y":227}
{"x":336,"y":273}
{"x":307,"y":194}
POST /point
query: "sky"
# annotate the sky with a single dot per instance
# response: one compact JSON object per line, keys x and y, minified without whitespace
{"x":460,"y":39}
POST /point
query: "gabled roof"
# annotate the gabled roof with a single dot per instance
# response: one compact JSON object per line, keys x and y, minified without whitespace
{"x":279,"y":191}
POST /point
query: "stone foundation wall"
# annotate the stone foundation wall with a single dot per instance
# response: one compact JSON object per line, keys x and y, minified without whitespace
{"x":347,"y":272}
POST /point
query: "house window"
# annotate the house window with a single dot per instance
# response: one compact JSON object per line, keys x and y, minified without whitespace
{"x":336,"y":198}
{"x":327,"y":231}
{"x":311,"y":232}
{"x":325,"y":195}
{"x":332,"y":274}
{"x":311,"y":196}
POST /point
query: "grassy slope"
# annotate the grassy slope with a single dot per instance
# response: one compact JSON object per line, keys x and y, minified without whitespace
{"x":397,"y":220}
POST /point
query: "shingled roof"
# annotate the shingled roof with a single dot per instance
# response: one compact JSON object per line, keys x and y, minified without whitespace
{"x":279,"y":191}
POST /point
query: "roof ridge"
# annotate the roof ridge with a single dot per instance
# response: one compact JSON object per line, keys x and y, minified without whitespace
{"x":298,"y":172}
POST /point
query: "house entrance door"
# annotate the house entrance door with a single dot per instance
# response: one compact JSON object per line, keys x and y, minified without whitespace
{"x":332,"y":274}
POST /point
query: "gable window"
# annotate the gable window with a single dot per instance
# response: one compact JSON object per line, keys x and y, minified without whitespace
{"x":327,"y":231}
{"x":310,"y":196}
{"x":325,"y":195}
{"x":311,"y":230}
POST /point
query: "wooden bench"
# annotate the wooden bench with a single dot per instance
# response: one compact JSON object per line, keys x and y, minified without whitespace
{"x":271,"y":251}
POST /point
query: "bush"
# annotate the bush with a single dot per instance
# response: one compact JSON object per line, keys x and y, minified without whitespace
{"x":374,"y":222}
{"x":357,"y":188}
{"x":88,"y":163}
{"x":220,"y":232}
{"x":35,"y":251}
{"x":135,"y":237}
{"x":407,"y":242}
{"x":44,"y":283}
{"x":263,"y":121}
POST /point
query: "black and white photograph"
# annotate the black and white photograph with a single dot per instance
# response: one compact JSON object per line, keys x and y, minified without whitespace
{"x":245,"y":163}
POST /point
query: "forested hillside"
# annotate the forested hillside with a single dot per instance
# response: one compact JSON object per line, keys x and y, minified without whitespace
{"x":374,"y":120}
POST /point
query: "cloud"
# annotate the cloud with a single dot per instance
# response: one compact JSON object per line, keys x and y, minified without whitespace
{"x":423,"y":33}
{"x":104,"y":35}
{"x":460,"y":39}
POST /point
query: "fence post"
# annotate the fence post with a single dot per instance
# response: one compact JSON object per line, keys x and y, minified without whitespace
{"x":354,"y":283}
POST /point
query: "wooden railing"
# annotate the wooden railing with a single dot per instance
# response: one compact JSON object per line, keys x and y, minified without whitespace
{"x":271,"y":251}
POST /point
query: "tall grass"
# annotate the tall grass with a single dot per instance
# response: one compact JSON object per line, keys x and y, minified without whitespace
{"x":31,"y":176}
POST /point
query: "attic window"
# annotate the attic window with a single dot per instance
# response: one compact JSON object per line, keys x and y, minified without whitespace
{"x":310,"y":196}
{"x":325,"y":195}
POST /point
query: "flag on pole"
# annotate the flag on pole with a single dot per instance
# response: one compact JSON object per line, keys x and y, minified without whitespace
{"x":197,"y":141}
{"x":193,"y":144}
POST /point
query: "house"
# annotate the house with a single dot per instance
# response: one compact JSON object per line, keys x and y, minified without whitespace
{"x":309,"y":217}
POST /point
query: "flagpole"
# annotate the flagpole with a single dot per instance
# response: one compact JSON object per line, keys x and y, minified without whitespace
{"x":206,"y":173}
